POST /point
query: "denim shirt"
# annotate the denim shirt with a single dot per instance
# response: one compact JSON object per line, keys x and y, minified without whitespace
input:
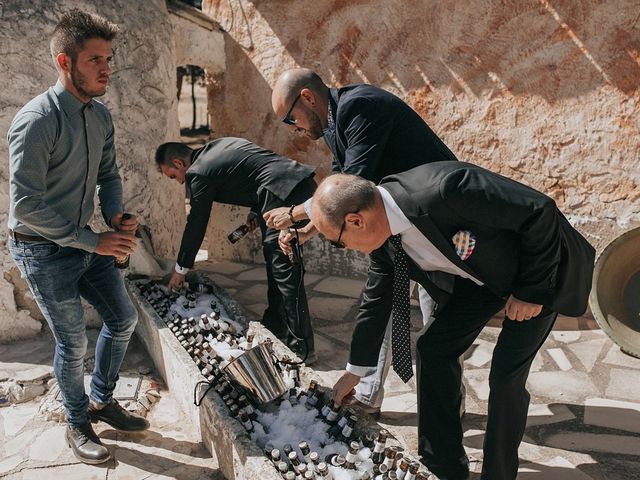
{"x":60,"y":150}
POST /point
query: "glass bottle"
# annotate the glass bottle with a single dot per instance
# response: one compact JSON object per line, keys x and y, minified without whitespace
{"x":238,"y":233}
{"x":352,"y":456}
{"x":122,"y":261}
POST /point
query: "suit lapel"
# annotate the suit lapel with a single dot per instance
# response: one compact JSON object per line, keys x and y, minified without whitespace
{"x":419,"y":216}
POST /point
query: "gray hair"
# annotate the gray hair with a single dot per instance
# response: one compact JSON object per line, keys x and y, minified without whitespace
{"x":349,"y":194}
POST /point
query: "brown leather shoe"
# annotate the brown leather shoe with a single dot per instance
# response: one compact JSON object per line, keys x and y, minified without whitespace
{"x":368,"y":409}
{"x":116,"y":416}
{"x":86,"y":445}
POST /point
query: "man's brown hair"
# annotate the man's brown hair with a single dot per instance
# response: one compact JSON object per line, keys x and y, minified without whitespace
{"x":75,"y":28}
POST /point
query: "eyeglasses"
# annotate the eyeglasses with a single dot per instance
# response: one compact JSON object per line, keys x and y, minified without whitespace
{"x":286,"y":119}
{"x":337,"y":243}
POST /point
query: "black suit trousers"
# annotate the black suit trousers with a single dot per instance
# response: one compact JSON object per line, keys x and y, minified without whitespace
{"x":439,"y":377}
{"x":286,"y":293}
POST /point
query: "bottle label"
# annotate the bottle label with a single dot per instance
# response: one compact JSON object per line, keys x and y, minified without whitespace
{"x":351,"y":458}
{"x":379,"y":447}
{"x":346,"y":431}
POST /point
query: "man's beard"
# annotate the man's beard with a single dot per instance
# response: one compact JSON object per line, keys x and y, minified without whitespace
{"x":315,"y":129}
{"x":80,"y":83}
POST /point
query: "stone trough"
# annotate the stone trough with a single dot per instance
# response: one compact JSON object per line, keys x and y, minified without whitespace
{"x":239,"y":457}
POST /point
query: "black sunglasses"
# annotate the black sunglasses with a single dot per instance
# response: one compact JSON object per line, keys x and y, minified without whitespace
{"x":337,"y":243}
{"x":286,"y":118}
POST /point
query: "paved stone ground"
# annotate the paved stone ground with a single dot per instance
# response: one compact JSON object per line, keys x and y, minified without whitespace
{"x":584,"y":421}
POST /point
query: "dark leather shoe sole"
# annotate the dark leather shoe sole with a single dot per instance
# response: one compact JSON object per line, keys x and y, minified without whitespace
{"x":96,"y":417}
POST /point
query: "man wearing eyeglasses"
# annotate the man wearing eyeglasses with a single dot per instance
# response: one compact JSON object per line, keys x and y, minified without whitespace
{"x":235,"y":171}
{"x":497,"y":245}
{"x":371,"y":133}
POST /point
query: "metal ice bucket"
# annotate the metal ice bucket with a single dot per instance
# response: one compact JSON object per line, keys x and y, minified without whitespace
{"x":255,"y":373}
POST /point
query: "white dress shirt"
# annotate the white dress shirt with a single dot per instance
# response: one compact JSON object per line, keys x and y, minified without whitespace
{"x":418,"y":248}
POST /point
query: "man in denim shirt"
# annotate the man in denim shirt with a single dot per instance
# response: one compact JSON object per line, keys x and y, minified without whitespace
{"x":61,"y":147}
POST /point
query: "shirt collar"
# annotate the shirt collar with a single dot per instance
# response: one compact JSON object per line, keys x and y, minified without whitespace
{"x":331,"y":124}
{"x":70,"y":104}
{"x":398,"y":221}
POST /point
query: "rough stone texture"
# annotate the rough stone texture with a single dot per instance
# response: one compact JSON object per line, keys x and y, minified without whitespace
{"x":142,"y":101}
{"x":544,"y":92}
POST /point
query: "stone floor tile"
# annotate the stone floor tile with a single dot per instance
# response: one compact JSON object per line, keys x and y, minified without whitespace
{"x":604,"y":412}
{"x":16,"y":417}
{"x":258,"y":274}
{"x":566,"y":323}
{"x":20,"y":442}
{"x":257,"y":308}
{"x":49,"y":445}
{"x":566,"y":336}
{"x":623,"y":384}
{"x":224,"y":268}
{"x":479,"y":354}
{"x":405,"y":403}
{"x":595,"y":442}
{"x":311,"y":278}
{"x":255,"y":292}
{"x":560,"y":359}
{"x":9,"y":463}
{"x":561,"y":386}
{"x":548,"y":414}
{"x":76,"y":471}
{"x":331,"y":308}
{"x":478,"y":382}
{"x":616,"y":357}
{"x":557,"y":468}
{"x":344,"y":287}
{"x":538,"y":362}
{"x":224,"y":281}
{"x":588,"y":352}
{"x":34,"y":374}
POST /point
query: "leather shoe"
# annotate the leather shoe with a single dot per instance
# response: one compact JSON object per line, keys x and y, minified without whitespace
{"x":368,"y":409}
{"x":116,"y":416}
{"x":86,"y":445}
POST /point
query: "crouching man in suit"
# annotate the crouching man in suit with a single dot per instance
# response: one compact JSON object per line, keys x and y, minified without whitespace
{"x":479,"y":243}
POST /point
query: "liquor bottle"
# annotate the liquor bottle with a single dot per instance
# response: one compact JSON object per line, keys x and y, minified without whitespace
{"x":283,"y":468}
{"x":246,"y":421}
{"x":294,"y":460}
{"x":352,"y":456}
{"x":347,"y":431}
{"x":315,"y":460}
{"x":309,"y":475}
{"x":238,"y":233}
{"x":412,"y":474}
{"x":287,"y":449}
{"x":275,"y":456}
{"x":122,"y":261}
{"x":324,"y":472}
{"x":402,"y":469}
{"x":304,"y":448}
{"x":389,"y":458}
{"x":268,"y":448}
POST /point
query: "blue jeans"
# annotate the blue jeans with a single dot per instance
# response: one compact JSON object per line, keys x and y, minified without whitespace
{"x":58,"y":277}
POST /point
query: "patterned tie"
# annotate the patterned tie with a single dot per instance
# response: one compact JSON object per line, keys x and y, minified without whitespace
{"x":400,"y":337}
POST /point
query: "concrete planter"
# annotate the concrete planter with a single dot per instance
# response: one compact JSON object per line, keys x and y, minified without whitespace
{"x":238,"y":456}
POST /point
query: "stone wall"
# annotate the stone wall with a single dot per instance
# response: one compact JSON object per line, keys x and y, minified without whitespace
{"x":142,"y":100}
{"x":543,"y":92}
